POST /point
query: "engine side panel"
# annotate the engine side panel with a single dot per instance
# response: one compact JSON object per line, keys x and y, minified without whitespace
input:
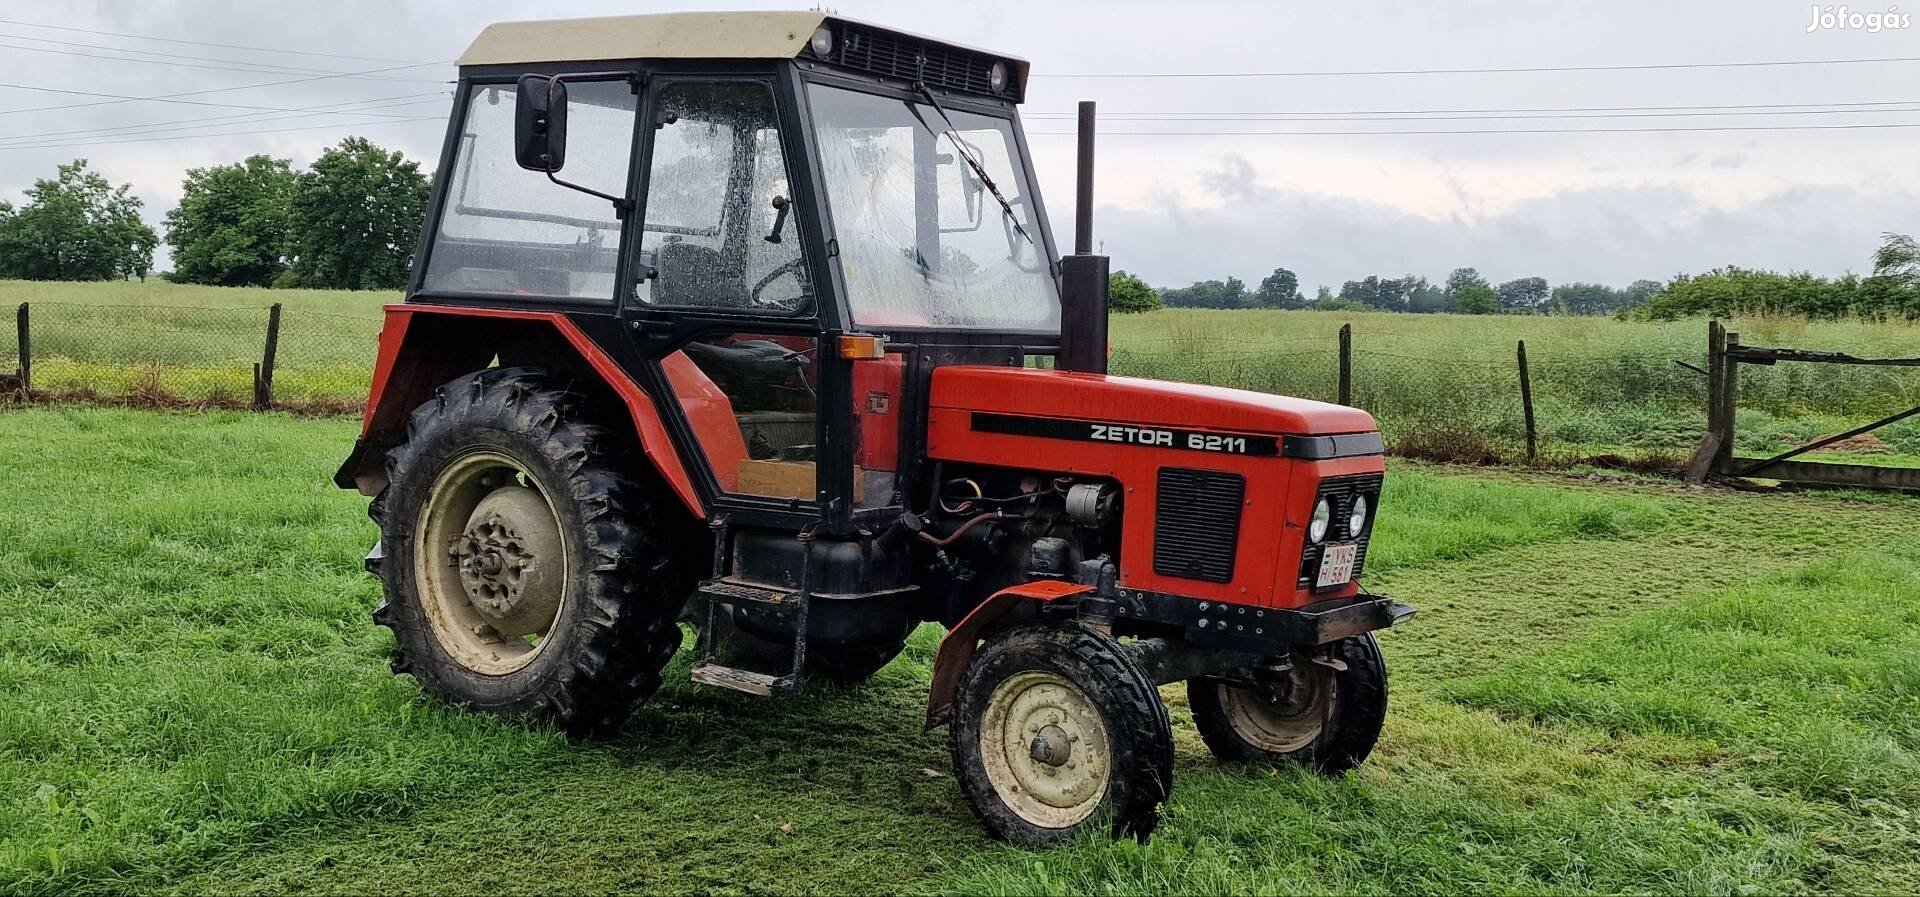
{"x":1089,"y":425}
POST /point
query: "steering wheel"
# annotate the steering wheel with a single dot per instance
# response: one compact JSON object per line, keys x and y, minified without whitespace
{"x":794,"y":266}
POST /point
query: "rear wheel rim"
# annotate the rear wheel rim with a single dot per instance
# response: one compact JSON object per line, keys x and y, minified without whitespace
{"x":1288,"y":717}
{"x":1045,"y":749}
{"x":490,"y":561}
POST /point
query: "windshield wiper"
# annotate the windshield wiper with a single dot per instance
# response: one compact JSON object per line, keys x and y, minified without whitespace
{"x":966,"y":155}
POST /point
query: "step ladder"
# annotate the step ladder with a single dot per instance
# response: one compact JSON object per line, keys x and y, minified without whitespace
{"x":792,"y":603}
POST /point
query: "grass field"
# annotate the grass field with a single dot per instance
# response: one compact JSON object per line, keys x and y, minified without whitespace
{"x":1600,"y":386}
{"x":1611,"y":686}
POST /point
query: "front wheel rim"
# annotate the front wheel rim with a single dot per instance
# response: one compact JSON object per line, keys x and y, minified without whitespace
{"x":1045,"y":749}
{"x":1287,"y":718}
{"x":490,"y":563}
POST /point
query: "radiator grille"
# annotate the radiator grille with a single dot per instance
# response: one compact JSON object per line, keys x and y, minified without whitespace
{"x":1340,"y":493}
{"x":908,"y":59}
{"x":1196,"y":523}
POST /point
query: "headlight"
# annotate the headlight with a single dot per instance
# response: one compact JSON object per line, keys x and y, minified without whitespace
{"x":821,"y":42}
{"x":1358,"y":521}
{"x":997,"y":77}
{"x":1322,"y":518}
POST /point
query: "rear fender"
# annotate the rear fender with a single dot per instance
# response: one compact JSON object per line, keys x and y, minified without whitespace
{"x":425,"y":346}
{"x":957,"y":649}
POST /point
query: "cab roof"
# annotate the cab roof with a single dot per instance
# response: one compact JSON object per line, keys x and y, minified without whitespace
{"x":673,"y":35}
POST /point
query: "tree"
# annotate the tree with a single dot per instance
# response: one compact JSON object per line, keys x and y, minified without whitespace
{"x":1524,"y":292}
{"x":1322,"y":293}
{"x":1586,"y":299}
{"x":75,"y":227}
{"x":1386,"y":294}
{"x":1229,"y":293}
{"x":356,"y":218}
{"x":1281,"y":289}
{"x":1127,"y":293}
{"x":1460,"y":279}
{"x":233,"y":224}
{"x":1477,"y":299}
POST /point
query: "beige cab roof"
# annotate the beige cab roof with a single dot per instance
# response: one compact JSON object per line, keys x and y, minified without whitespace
{"x":672,"y":35}
{"x":676,"y":35}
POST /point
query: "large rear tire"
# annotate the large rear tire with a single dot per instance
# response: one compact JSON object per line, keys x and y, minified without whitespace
{"x":1056,"y":733}
{"x":527,"y":573}
{"x":1317,"y":714}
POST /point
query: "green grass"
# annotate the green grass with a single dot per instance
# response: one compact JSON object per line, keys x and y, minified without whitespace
{"x":1600,"y":385}
{"x":1609,"y":687}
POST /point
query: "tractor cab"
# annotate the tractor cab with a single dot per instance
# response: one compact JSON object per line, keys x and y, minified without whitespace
{"x":754,"y":323}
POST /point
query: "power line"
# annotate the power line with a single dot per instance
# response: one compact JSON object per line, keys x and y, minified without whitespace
{"x":1070,"y":114}
{"x":254,"y":67}
{"x":367,"y":107}
{"x":175,"y":97}
{"x":196,"y":43}
{"x":1389,"y":133}
{"x":1248,"y":118}
{"x":363,"y":124}
{"x":1489,"y":71}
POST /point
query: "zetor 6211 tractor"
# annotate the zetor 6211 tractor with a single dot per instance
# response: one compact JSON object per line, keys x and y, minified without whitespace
{"x":753,"y":323}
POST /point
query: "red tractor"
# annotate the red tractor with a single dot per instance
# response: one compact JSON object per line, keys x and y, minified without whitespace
{"x":753,"y":322}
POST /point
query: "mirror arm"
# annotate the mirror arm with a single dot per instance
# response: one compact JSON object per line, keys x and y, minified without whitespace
{"x":622,"y":206}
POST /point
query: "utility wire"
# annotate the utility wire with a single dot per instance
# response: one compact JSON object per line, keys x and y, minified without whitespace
{"x":363,"y":124}
{"x":1489,"y":71}
{"x":1389,"y":133}
{"x":175,"y":97}
{"x":254,"y":67}
{"x":1251,"y":118}
{"x":367,"y":107}
{"x":196,"y":43}
{"x":1071,"y":114}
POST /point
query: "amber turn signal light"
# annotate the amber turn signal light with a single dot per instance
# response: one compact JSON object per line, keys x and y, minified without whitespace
{"x":857,"y":347}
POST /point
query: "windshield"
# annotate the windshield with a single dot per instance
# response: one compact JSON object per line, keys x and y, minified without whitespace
{"x":922,"y":239}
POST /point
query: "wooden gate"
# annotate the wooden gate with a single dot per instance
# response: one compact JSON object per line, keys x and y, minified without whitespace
{"x":1715,"y":455}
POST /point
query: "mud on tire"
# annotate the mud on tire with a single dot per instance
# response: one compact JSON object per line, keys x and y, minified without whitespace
{"x":1076,"y":682}
{"x":623,"y":580}
{"x":1330,"y":723}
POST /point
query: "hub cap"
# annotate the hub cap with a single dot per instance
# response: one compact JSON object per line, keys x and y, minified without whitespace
{"x":1283,"y":717}
{"x":490,"y":562}
{"x":1045,"y":749}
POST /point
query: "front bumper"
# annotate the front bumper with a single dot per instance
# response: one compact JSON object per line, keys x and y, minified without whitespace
{"x":1260,"y":630}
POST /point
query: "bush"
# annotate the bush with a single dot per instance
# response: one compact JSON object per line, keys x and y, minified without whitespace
{"x":1128,"y":294}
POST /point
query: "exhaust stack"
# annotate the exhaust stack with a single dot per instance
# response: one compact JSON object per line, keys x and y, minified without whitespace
{"x":1083,"y":275}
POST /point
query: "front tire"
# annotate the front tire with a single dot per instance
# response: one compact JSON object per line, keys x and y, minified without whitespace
{"x":1055,"y":733}
{"x":1315,"y":714}
{"x":526,"y":573}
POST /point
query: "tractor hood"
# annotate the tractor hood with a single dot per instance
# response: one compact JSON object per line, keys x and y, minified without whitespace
{"x":1106,"y":399}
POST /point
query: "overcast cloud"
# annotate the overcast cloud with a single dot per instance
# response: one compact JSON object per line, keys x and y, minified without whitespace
{"x":1606,"y":207}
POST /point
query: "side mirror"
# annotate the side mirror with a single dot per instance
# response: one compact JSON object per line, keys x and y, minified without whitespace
{"x":540,"y":123}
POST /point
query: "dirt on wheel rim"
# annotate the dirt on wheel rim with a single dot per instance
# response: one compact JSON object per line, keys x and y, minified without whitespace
{"x":490,"y":561}
{"x":1287,"y":723}
{"x":1045,"y":749}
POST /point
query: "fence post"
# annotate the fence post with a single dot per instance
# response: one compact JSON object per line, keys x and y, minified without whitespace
{"x":1526,"y":402}
{"x":26,"y":352}
{"x":263,"y":372}
{"x":1346,"y":364}
{"x":1729,"y":401}
{"x":1705,"y":457}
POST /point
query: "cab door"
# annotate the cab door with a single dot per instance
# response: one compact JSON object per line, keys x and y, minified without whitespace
{"x":723,"y":301}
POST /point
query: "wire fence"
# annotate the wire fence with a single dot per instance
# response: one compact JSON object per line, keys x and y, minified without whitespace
{"x":1635,"y":402}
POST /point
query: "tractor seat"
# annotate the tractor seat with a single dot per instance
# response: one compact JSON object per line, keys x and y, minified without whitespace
{"x":693,"y":276}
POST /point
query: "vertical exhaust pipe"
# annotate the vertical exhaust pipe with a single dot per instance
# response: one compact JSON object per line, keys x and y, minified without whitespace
{"x":1083,"y":275}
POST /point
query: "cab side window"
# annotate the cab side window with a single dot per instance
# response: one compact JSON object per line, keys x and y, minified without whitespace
{"x":718,"y":230}
{"x":509,"y":231}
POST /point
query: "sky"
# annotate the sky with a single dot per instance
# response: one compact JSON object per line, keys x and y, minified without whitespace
{"x":1257,"y":189}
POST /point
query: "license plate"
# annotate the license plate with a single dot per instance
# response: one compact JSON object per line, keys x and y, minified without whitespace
{"x":1336,"y":565}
